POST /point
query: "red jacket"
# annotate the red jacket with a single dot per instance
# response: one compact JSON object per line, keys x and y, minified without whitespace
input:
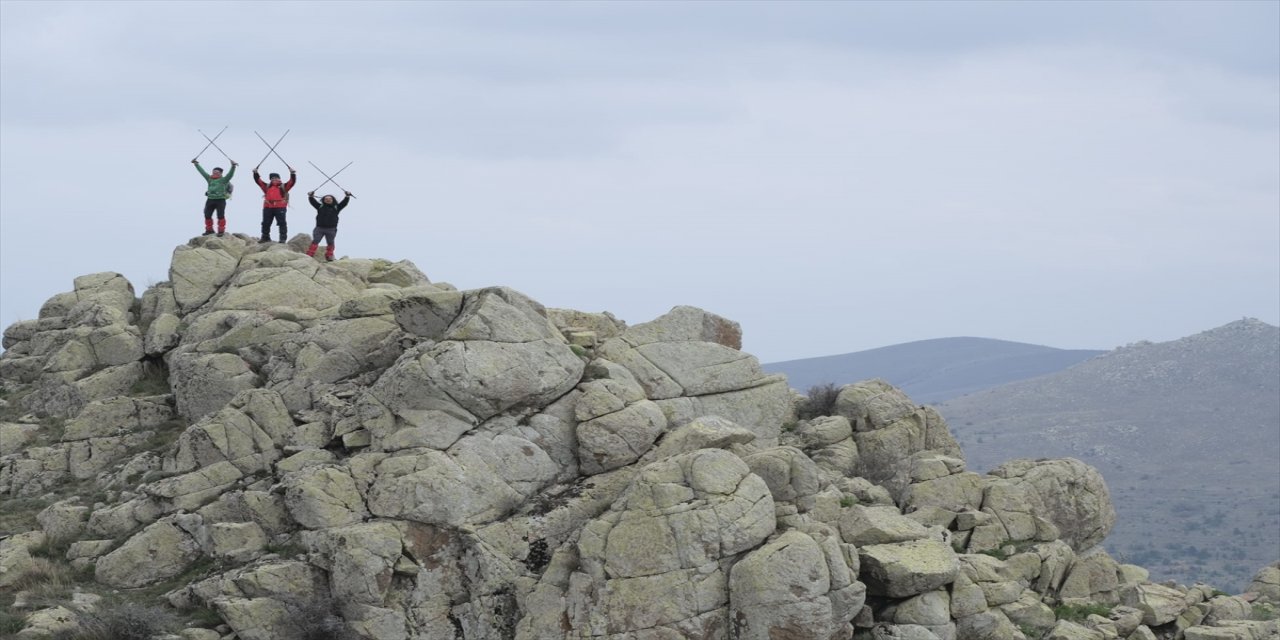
{"x":273,"y":196}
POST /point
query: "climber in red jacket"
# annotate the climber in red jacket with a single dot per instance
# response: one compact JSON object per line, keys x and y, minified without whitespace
{"x":275,"y":201}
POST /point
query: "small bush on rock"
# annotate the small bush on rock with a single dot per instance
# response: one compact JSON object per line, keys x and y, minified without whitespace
{"x":11,"y":623}
{"x":317,"y":619}
{"x":1078,"y":612}
{"x":47,"y":582}
{"x":819,"y":401}
{"x":124,"y":621}
{"x":154,"y":380}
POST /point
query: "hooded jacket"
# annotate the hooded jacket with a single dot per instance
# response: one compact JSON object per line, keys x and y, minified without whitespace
{"x":275,"y":196}
{"x":327,"y":214}
{"x":217,"y":189}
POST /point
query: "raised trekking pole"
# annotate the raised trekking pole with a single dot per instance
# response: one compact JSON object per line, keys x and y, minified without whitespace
{"x":206,"y":147}
{"x":272,"y":150}
{"x":330,"y":178}
{"x":215,"y":146}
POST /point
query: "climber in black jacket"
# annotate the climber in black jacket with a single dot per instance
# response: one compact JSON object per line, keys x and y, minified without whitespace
{"x":327,"y":210}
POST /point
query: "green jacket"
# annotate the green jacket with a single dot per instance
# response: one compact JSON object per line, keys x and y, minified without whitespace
{"x":218,"y":188}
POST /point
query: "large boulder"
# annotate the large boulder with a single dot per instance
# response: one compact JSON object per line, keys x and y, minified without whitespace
{"x":1159,"y":604}
{"x":199,"y":269}
{"x":656,"y":562}
{"x":162,"y":550}
{"x":1266,"y":583}
{"x":205,"y":382}
{"x":904,"y":569}
{"x":889,"y":428}
{"x":480,"y":479}
{"x":1067,"y":493}
{"x":783,"y":590}
{"x":688,"y":361}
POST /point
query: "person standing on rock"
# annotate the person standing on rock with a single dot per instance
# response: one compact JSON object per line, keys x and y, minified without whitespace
{"x":275,"y":201}
{"x":216,"y":195}
{"x":327,"y":210}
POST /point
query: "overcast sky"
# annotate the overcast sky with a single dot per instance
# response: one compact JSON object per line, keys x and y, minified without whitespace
{"x":834,"y":176}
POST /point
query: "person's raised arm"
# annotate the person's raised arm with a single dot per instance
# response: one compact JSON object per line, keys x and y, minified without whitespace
{"x":257,"y":177}
{"x":342,"y":205}
{"x":293,"y":179}
{"x":200,"y":169}
{"x":311,"y":197}
{"x":232,"y":172}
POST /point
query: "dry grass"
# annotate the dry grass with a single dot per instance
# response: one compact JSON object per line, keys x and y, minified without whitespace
{"x":124,"y":621}
{"x":48,"y":582}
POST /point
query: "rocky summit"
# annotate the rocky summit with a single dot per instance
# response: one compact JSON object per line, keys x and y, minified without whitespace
{"x":269,"y":447}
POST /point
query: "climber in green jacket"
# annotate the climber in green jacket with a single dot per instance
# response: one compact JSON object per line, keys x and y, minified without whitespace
{"x":218,"y":191}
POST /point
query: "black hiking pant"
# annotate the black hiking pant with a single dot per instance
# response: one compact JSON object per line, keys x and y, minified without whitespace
{"x":276,"y":214}
{"x":215,"y":204}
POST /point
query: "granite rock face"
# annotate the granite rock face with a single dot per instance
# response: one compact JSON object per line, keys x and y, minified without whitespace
{"x":348,"y":447}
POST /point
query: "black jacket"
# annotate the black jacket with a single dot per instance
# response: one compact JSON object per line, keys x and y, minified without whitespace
{"x":327,"y":214}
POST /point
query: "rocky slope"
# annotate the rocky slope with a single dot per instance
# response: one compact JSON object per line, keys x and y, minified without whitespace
{"x":1186,"y":432}
{"x":267,"y":447}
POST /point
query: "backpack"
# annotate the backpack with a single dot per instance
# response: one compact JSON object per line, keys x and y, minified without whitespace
{"x":230,"y":188}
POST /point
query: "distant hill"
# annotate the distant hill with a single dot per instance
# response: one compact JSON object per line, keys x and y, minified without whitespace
{"x":934,"y":370}
{"x":1186,"y":433}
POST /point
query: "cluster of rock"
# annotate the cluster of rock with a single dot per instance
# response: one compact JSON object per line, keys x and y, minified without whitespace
{"x":424,"y":462}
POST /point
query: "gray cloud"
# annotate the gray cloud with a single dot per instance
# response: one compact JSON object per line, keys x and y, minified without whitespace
{"x":836,"y":176}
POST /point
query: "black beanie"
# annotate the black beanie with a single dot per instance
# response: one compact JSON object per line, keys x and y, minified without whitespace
{"x":273,"y":175}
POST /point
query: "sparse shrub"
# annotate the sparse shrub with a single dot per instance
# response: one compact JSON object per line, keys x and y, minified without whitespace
{"x":11,"y":623}
{"x":1009,"y":548}
{"x":19,"y":514}
{"x":51,"y":549}
{"x":820,"y":400}
{"x":1264,"y":611}
{"x":286,"y":550}
{"x":204,"y":617}
{"x":124,"y":621}
{"x":154,"y":380}
{"x":1078,"y":612}
{"x":848,"y":501}
{"x":52,"y":428}
{"x":1030,"y":632}
{"x":317,"y":619}
{"x":998,"y":553}
{"x":47,"y":582}
{"x":164,"y":434}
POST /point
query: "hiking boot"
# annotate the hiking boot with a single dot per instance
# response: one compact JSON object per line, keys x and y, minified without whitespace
{"x":264,"y":238}
{"x":328,"y":258}
{"x":220,"y":234}
{"x":207,"y":232}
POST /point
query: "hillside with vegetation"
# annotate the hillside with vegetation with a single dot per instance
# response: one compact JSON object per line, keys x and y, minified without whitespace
{"x":932,"y":371}
{"x":1186,"y":432}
